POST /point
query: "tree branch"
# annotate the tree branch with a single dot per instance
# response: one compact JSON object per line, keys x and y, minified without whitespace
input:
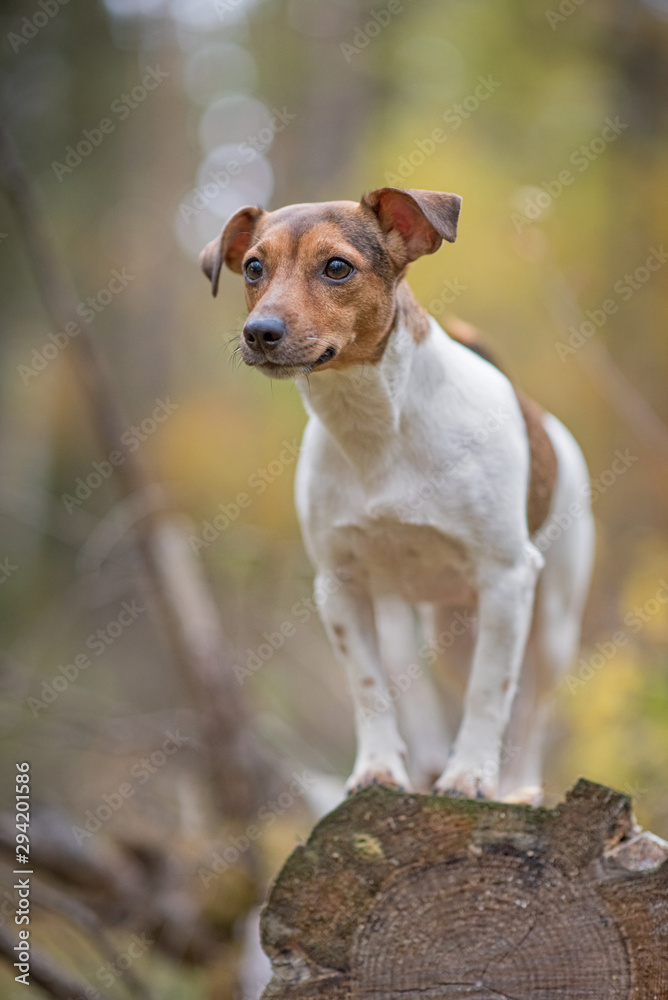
{"x":240,"y":768}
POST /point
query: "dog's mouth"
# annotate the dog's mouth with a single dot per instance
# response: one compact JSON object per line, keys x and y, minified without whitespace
{"x":291,"y":369}
{"x":326,"y":356}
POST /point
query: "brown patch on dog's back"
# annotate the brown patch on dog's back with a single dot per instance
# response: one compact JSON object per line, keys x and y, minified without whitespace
{"x":543,"y":474}
{"x":543,"y":469}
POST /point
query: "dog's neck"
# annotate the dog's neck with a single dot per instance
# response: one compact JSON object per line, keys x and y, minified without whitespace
{"x":361,"y":406}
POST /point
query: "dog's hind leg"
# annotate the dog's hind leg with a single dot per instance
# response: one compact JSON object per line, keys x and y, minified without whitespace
{"x":401,"y":630}
{"x":524,"y":744}
{"x":505,"y":604}
{"x":566,"y":541}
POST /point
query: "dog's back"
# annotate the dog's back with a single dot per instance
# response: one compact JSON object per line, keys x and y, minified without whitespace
{"x":543,"y":472}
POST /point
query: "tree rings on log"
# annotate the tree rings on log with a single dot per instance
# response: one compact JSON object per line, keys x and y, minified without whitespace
{"x":414,"y":897}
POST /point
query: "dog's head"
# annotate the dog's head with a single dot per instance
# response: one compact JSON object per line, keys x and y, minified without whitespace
{"x":321,"y":278}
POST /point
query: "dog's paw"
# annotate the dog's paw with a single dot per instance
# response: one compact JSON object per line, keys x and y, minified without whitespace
{"x":466,"y":783}
{"x":457,"y":793}
{"x":389,"y":773}
{"x":527,"y":795}
{"x":368,"y":780}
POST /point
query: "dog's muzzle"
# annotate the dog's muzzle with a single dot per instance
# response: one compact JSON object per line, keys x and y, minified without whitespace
{"x":266,"y":346}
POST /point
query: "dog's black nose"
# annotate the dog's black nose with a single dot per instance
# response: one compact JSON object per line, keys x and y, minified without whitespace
{"x":265,"y":331}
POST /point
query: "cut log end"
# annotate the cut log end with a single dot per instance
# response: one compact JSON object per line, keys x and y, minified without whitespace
{"x":400,"y":897}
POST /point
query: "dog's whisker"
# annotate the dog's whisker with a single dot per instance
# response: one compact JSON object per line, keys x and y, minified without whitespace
{"x":226,"y":345}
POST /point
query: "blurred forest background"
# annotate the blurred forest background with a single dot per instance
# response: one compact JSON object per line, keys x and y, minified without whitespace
{"x":551,"y":120}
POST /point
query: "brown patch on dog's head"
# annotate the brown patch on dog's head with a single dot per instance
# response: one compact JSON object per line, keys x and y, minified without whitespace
{"x":323,"y":281}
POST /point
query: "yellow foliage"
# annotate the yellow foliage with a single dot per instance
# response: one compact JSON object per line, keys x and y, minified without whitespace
{"x":645,"y":592}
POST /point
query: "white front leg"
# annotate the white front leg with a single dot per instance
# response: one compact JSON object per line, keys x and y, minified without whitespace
{"x":505,"y":608}
{"x":348,"y":615}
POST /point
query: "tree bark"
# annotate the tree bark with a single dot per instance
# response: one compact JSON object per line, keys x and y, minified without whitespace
{"x":413,"y":896}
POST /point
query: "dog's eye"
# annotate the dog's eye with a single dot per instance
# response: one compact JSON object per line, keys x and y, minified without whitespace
{"x":338,"y":269}
{"x":253,"y":269}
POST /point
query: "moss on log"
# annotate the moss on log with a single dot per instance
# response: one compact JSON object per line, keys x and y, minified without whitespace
{"x":399,"y":897}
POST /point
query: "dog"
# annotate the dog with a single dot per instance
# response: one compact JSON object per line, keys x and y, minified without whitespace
{"x":426,"y":479}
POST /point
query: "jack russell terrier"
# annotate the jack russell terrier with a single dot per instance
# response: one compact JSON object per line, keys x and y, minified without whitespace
{"x":425,"y":474}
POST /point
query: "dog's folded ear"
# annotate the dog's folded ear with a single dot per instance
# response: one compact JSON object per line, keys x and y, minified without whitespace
{"x":230,"y":247}
{"x":422,"y":219}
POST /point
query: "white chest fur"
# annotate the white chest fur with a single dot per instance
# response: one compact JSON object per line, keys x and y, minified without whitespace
{"x":414,"y":470}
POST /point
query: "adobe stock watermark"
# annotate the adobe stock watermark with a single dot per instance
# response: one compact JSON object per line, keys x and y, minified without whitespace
{"x":363,"y":34}
{"x":111,"y":971}
{"x":428,"y":653}
{"x":449,"y":292}
{"x":87,"y":309}
{"x":300,"y":613}
{"x":267,"y":815}
{"x":565,"y":9}
{"x":108,"y":973}
{"x":224,"y":8}
{"x":97,"y":643}
{"x":634,"y":620}
{"x":454,"y":117}
{"x":7,"y":907}
{"x":131,"y":439}
{"x":140,"y":773}
{"x":538,"y":201}
{"x":32,"y":24}
{"x":624,"y":289}
{"x":557,"y":524}
{"x":121,"y":107}
{"x":7,"y":570}
{"x":244,"y":153}
{"x":258,"y":483}
{"x":435,"y":479}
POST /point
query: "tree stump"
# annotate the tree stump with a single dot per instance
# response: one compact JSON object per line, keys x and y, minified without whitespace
{"x":398,"y":897}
